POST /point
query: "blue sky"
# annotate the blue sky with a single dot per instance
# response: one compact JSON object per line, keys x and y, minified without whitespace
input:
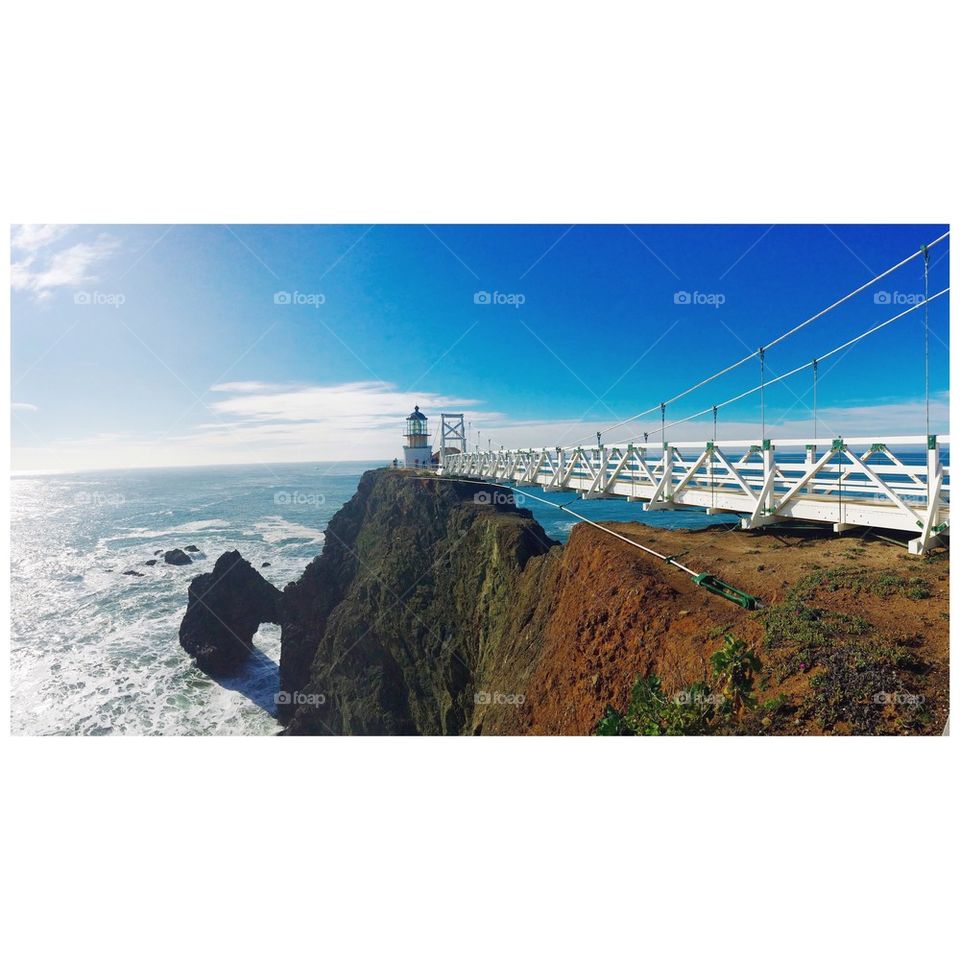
{"x":158,"y":345}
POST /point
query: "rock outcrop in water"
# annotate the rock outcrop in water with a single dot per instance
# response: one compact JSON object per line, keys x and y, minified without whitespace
{"x":224,"y":610}
{"x":177,"y":557}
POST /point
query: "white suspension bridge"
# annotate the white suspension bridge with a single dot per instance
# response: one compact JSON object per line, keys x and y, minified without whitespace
{"x":847,"y":482}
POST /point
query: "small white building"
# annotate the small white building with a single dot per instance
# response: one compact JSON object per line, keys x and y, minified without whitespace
{"x":417,"y":451}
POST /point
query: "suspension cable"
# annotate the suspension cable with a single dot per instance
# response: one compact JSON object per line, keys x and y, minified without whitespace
{"x":708,"y":581}
{"x":815,"y":366}
{"x":806,"y":366}
{"x":713,"y":488}
{"x":772,"y":343}
{"x":566,"y":509}
{"x":926,"y":333}
{"x":763,"y":418}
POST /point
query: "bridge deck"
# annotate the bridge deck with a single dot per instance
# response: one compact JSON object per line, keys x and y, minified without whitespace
{"x":896,"y":483}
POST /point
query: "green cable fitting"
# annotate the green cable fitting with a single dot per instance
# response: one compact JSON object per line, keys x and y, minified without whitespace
{"x":717,"y":586}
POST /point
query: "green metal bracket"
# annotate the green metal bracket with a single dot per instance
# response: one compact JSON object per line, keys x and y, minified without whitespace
{"x":811,"y":446}
{"x":715,"y":585}
{"x":629,"y":448}
{"x":877,"y":447}
{"x":766,"y":445}
{"x":709,"y":444}
{"x":932,"y":441}
{"x":838,"y":445}
{"x":754,"y":448}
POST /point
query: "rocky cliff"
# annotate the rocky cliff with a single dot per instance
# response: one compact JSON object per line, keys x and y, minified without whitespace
{"x":440,"y":608}
{"x":410,"y":613}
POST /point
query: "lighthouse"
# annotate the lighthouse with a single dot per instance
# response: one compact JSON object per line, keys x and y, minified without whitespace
{"x":416,"y":450}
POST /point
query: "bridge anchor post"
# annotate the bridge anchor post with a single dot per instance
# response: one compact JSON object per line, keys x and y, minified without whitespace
{"x":933,"y":533}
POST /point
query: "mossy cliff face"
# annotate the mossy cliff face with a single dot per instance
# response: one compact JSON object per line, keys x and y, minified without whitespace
{"x":409,"y":616}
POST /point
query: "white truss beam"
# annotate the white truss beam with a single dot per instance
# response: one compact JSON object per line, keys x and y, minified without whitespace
{"x":842,"y":487}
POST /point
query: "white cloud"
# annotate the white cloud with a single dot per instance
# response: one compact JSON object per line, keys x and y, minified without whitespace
{"x":366,"y":403}
{"x":42,"y":273}
{"x":32,"y":236}
{"x":241,"y":386}
{"x":24,"y":407}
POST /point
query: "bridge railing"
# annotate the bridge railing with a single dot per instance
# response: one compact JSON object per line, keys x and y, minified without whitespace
{"x":899,"y":483}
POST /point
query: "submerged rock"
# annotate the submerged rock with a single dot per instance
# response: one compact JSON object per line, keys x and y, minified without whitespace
{"x":177,"y":557}
{"x":192,"y":549}
{"x":224,"y":610}
{"x":266,"y":563}
{"x":131,"y":573}
{"x":149,"y":563}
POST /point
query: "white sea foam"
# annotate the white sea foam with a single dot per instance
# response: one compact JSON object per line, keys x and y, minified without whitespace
{"x":279,"y":530}
{"x":195,"y":526}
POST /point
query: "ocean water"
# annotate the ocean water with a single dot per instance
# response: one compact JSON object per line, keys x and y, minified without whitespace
{"x":96,"y":652}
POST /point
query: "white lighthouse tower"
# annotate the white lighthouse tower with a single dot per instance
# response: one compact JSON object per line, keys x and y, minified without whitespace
{"x":416,"y":450}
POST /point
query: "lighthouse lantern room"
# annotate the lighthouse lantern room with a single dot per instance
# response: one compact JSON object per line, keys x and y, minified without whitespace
{"x":416,"y":450}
